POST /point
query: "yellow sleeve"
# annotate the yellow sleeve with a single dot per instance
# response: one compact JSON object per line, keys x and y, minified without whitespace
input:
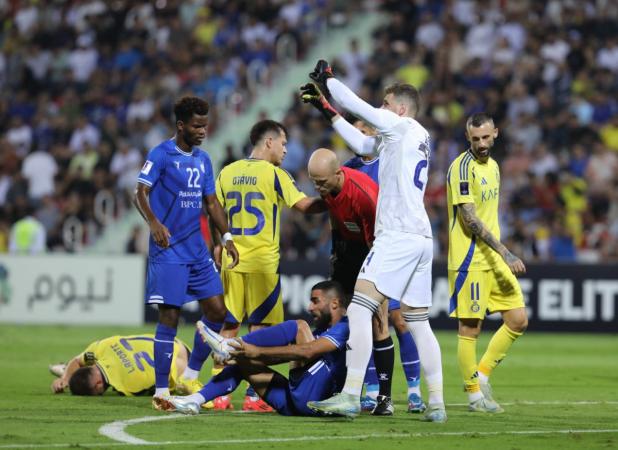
{"x":219,"y":190}
{"x":459,"y":180}
{"x":286,"y":188}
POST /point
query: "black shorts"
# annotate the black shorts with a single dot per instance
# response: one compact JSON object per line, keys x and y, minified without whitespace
{"x":346,"y":261}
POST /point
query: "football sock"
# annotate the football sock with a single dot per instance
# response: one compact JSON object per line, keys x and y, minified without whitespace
{"x":429,"y":353}
{"x":222,"y":384}
{"x":163,"y":351}
{"x":371,"y":380}
{"x":281,"y":334}
{"x":466,"y":357}
{"x":410,"y":362}
{"x":497,"y":348}
{"x":359,"y":344}
{"x":384,"y":355}
{"x":200,"y":351}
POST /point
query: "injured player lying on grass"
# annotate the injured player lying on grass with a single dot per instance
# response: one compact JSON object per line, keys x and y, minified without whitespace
{"x":317,"y":359}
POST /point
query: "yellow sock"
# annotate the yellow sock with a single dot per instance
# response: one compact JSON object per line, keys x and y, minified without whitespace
{"x":466,"y":357}
{"x":497,"y":348}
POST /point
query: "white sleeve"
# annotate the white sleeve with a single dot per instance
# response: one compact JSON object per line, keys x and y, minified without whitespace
{"x":381,"y":119}
{"x":358,"y":142}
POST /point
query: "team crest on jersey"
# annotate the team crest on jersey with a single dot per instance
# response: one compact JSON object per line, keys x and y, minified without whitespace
{"x":202,"y":167}
{"x":353,"y":227}
{"x":475,"y":307}
{"x":147,"y":167}
{"x":177,"y":164}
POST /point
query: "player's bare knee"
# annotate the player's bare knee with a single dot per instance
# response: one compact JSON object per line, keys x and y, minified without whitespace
{"x":516,"y":319}
{"x":214,"y":309}
{"x":303,"y":334}
{"x":469,"y":328}
{"x":398,"y":323}
{"x":169,"y":316}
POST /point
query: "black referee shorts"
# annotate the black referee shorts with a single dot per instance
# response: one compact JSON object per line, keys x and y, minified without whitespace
{"x":346,"y":261}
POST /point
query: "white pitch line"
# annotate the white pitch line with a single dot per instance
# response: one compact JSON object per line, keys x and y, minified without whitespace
{"x":115,"y":430}
{"x":319,"y":438}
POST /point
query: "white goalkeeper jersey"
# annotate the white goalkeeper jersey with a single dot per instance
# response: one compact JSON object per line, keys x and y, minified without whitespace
{"x":404,"y":149}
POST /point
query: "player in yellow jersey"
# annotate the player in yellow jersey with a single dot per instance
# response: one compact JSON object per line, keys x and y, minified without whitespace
{"x":253,"y":191}
{"x":124,"y":363}
{"x":481,"y":270}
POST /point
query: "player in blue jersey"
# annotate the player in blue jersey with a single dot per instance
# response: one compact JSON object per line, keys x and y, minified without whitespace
{"x":376,"y":387}
{"x":317,"y":359}
{"x":174,"y":184}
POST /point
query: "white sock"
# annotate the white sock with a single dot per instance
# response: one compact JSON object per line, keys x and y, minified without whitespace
{"x":196,"y":398}
{"x":429,"y":353}
{"x":162,"y":392}
{"x":483,"y":379}
{"x":414,"y":390}
{"x":360,"y":342}
{"x":190,"y":374}
{"x":474,"y":396}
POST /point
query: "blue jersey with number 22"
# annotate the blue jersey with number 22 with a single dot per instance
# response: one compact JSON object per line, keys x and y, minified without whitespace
{"x":178,"y":181}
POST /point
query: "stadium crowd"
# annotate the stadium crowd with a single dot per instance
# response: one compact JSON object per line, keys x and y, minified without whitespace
{"x":548,"y":74}
{"x":87,"y":87}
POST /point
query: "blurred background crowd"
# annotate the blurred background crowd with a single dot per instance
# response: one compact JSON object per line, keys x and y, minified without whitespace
{"x":87,"y":87}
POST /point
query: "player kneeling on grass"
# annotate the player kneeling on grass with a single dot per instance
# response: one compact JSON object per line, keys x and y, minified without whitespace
{"x":317,"y":359}
{"x":124,"y":363}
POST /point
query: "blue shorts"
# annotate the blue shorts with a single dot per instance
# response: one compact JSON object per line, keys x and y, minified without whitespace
{"x":290,"y":397}
{"x":393,"y":304}
{"x":177,"y":284}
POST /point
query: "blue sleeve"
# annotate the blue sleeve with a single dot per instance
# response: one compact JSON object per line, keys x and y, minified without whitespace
{"x":151,"y":171}
{"x":209,"y":176}
{"x":352,"y":163}
{"x":338,"y":334}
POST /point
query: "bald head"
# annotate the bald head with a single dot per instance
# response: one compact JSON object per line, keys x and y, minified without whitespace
{"x":325,"y":172}
{"x":323,"y":163}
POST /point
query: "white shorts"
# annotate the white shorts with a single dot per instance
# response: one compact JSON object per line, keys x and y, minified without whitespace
{"x":399,"y":265}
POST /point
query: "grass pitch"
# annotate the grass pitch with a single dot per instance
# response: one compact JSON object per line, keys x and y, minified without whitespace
{"x":558,"y":390}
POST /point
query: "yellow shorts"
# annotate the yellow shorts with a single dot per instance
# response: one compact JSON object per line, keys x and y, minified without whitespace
{"x":475,"y":293}
{"x":256,"y":295}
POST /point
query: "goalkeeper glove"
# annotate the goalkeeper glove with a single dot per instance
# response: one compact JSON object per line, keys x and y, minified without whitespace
{"x":320,"y":74}
{"x":309,"y":93}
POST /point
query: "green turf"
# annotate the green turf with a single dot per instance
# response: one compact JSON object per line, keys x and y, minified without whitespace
{"x":561,"y":368}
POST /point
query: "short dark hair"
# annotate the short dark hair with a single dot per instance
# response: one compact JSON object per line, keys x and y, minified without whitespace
{"x":187,"y":106}
{"x":80,"y":383}
{"x":336,"y":287}
{"x":407,"y":91}
{"x":259,"y":130}
{"x":478,"y":119}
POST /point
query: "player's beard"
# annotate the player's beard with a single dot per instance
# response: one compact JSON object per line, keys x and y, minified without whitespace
{"x":322,"y":321}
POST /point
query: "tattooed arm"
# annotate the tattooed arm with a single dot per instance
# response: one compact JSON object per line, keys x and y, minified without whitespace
{"x":478,"y":228}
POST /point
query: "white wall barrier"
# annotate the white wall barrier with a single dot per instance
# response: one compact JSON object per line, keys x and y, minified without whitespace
{"x":72,"y":289}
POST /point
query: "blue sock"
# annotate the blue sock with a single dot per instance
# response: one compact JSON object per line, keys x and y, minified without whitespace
{"x":371,"y":376}
{"x":281,"y":334}
{"x":201,"y":350}
{"x":222,"y":384}
{"x":409,"y":359}
{"x":250,"y":392}
{"x":163,"y":350}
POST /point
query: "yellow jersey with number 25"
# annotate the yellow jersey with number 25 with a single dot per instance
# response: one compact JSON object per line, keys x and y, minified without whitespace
{"x":252,"y":192}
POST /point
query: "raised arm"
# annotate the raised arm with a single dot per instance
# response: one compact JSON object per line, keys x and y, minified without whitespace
{"x":380,"y":119}
{"x":478,"y":228}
